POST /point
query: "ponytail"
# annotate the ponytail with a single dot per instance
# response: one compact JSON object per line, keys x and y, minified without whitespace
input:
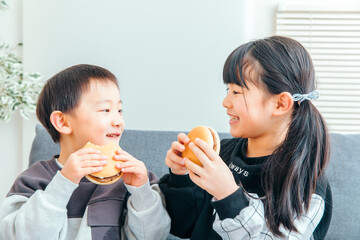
{"x":290,"y":174}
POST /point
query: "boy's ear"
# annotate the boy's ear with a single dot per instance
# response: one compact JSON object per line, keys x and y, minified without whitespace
{"x":284,"y":103}
{"x":59,"y":121}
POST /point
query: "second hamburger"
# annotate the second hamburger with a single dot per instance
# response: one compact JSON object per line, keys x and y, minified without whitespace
{"x":207,"y":134}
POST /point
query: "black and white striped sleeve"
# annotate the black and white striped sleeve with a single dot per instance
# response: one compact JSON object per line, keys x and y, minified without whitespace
{"x":247,"y":224}
{"x":250,"y":222}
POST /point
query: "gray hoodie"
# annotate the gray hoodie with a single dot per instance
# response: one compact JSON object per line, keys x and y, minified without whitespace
{"x":42,"y":204}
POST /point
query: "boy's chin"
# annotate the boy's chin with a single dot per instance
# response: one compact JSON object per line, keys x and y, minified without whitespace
{"x":104,"y":142}
{"x":117,"y":140}
{"x":107,"y":141}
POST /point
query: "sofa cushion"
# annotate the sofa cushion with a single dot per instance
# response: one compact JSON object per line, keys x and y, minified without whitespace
{"x":344,"y":176}
{"x":43,"y":147}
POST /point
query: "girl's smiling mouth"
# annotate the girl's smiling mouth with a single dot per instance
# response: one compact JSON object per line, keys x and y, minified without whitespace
{"x":233,"y":118}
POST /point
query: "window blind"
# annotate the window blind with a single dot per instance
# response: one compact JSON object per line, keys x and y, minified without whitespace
{"x":331,"y":34}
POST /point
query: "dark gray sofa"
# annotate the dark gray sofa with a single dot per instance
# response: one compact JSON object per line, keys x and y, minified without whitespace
{"x":343,"y":171}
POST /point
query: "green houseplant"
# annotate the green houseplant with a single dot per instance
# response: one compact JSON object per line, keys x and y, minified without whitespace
{"x":18,"y":90}
{"x":4,"y":4}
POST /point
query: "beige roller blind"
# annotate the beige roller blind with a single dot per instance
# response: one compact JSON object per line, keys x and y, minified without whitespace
{"x":332,"y":36}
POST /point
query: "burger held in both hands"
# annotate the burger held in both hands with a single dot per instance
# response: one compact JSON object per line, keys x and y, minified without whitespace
{"x":197,"y":154}
{"x":208,"y":135}
{"x":108,"y":165}
{"x":118,"y":162}
{"x":109,"y":174}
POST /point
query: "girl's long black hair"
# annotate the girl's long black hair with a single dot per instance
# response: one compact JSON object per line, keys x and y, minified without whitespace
{"x":289,"y":175}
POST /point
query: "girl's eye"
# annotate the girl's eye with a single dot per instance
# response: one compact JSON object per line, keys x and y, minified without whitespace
{"x":120,"y":111}
{"x":233,"y":92}
{"x":105,"y":110}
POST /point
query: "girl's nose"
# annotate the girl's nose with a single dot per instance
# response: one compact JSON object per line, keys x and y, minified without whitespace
{"x":226,"y":102}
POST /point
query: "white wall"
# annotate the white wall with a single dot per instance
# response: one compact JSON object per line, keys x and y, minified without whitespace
{"x":167,"y":55}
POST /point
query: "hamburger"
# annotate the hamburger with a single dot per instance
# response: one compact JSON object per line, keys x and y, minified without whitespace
{"x":207,"y":134}
{"x":110,"y":173}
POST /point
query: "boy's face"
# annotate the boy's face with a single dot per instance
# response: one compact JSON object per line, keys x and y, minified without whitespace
{"x":98,"y":117}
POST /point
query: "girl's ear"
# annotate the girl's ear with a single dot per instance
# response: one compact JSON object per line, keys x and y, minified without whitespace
{"x":284,"y":103}
{"x":59,"y":121}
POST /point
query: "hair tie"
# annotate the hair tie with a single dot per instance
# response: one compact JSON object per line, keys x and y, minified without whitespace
{"x":302,"y":97}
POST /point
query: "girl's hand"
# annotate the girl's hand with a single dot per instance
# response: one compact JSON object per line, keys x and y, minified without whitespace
{"x":173,"y":157}
{"x":214,"y":177}
{"x":134,"y":171}
{"x":83,"y":162}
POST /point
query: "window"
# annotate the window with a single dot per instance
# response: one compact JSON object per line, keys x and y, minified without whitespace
{"x":332,"y":36}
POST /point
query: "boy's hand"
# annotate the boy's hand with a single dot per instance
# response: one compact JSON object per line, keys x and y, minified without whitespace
{"x":174,"y":159}
{"x":134,"y":171}
{"x":82,"y":163}
{"x":215,"y":177}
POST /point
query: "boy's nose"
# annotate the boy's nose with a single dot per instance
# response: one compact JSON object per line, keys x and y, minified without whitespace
{"x":118,"y":121}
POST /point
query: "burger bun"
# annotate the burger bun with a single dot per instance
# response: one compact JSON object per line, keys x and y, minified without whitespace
{"x":109,"y":174}
{"x":207,"y":134}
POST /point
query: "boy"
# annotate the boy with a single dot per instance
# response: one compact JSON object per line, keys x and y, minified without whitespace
{"x":53,"y":200}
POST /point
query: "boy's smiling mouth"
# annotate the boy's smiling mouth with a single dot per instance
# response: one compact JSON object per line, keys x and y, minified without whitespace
{"x":113,"y":135}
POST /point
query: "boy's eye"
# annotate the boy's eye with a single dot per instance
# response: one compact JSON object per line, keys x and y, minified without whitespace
{"x":105,"y":110}
{"x":120,"y":111}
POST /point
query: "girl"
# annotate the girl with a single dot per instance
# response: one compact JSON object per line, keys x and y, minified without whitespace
{"x":268,"y":182}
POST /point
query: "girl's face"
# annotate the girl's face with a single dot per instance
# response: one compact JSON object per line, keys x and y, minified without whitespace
{"x":250,"y":111}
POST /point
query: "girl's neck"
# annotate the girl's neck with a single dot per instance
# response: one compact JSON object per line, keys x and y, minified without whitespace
{"x":264,"y":145}
{"x":259,"y":147}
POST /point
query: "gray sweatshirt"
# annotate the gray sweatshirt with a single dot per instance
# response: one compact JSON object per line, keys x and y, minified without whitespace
{"x":43,"y":204}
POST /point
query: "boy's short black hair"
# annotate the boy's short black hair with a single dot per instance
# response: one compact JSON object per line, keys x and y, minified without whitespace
{"x":63,"y":91}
